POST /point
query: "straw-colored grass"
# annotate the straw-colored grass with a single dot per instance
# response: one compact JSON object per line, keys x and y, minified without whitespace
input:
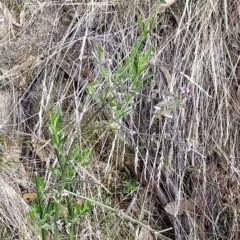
{"x":186,"y":161}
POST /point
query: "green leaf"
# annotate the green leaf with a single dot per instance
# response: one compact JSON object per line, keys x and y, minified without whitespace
{"x":54,"y":120}
{"x":39,"y":183}
{"x":126,"y":75}
{"x":80,"y":157}
{"x":81,"y":209}
{"x":90,"y":86}
{"x":70,"y":173}
{"x":100,"y":53}
{"x":84,"y":164}
{"x":33,"y":211}
{"x":55,"y":171}
{"x":85,"y":155}
{"x":135,"y":68}
{"x":55,"y":140}
{"x":76,"y":153}
{"x":141,"y":25}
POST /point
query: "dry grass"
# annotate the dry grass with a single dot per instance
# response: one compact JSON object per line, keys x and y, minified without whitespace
{"x":190,"y":161}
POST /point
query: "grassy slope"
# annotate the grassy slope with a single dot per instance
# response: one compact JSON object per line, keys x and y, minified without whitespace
{"x":194,"y":154}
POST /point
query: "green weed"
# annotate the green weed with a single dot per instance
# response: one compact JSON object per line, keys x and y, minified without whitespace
{"x":123,"y":84}
{"x":51,"y":216}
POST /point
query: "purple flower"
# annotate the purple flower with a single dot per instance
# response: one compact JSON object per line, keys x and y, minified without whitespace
{"x":185,"y":91}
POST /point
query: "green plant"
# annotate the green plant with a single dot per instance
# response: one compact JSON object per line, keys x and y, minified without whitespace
{"x":124,"y":83}
{"x":50,"y":216}
{"x":119,"y":213}
{"x":129,"y":187}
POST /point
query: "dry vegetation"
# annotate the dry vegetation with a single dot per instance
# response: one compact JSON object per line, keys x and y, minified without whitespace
{"x":186,"y":160}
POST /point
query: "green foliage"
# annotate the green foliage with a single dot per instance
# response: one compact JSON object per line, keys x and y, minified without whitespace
{"x":120,"y":87}
{"x":50,"y":215}
{"x":117,"y":92}
{"x":130,"y":186}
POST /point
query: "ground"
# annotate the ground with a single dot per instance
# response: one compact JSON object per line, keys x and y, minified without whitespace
{"x":119,"y":119}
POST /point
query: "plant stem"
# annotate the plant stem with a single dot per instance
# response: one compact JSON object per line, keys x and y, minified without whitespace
{"x":120,"y":214}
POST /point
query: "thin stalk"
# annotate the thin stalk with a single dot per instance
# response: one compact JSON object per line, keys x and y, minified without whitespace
{"x":70,"y":213}
{"x":56,"y":218}
{"x":118,"y":213}
{"x":40,"y":205}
